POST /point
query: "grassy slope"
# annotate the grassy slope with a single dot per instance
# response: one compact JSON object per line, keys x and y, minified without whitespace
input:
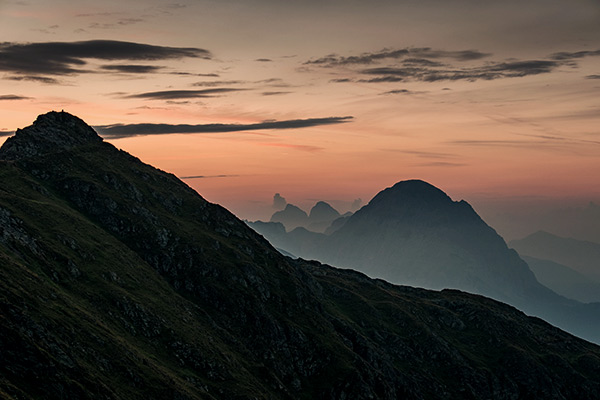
{"x":119,"y":281}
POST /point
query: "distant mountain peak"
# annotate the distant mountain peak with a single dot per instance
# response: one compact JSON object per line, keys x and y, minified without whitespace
{"x":322,"y":211}
{"x":412,"y":196}
{"x":291,"y":217}
{"x":413,"y":189}
{"x":51,"y":132}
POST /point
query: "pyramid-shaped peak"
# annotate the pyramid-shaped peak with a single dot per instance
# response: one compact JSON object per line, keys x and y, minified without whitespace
{"x":51,"y":132}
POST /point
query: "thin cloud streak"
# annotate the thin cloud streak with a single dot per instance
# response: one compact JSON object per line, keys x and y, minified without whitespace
{"x":217,"y":83}
{"x":34,"y":78}
{"x":564,"y":55}
{"x":207,"y":176}
{"x":13,"y":97}
{"x":424,"y":154}
{"x":181,"y":94}
{"x":118,"y":131}
{"x":132,"y":69}
{"x":274,"y":93}
{"x":442,"y":164}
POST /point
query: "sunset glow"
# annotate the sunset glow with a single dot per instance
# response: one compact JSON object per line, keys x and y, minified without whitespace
{"x":484,"y":100}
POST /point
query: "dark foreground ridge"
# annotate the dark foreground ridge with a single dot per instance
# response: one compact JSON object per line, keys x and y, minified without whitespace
{"x":118,"y":281}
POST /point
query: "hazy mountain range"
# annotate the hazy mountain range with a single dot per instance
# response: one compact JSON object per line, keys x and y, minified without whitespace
{"x":118,"y":281}
{"x":582,"y":256}
{"x":414,"y":234}
{"x":321,"y":216}
{"x":568,"y":266}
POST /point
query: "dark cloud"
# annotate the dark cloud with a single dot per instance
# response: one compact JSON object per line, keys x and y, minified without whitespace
{"x":428,"y":65}
{"x":387,"y":78}
{"x":414,"y":53}
{"x":13,"y":97}
{"x":132,"y":68}
{"x":274,"y":82}
{"x":194,"y":74}
{"x":422,"y":62}
{"x":279,"y":202}
{"x":6,"y":133}
{"x":487,"y":72}
{"x":65,"y":58}
{"x":181,"y":94}
{"x":117,"y":131}
{"x":564,"y":56}
{"x":263,"y":60}
{"x":341,"y":80}
{"x":592,"y":77}
{"x":34,"y":78}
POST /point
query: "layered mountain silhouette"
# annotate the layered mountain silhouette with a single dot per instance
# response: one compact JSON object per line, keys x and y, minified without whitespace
{"x":564,"y":280}
{"x":320,"y":218}
{"x":290,"y":217}
{"x":580,"y":255}
{"x":414,"y":234}
{"x":118,"y":281}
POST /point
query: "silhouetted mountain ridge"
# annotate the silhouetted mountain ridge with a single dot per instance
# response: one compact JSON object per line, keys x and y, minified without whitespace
{"x":118,"y":281}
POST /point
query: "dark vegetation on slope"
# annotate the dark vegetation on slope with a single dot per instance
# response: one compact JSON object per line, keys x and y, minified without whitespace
{"x":118,"y":281}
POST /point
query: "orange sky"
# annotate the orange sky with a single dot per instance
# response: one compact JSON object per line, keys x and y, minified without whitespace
{"x":482,"y":100}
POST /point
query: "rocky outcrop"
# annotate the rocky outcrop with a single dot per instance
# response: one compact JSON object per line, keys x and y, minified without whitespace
{"x":54,"y":131}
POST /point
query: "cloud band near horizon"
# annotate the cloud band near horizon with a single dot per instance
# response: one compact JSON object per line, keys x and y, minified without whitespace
{"x":120,"y":131}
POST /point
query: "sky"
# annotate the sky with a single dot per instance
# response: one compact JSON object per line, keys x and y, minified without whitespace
{"x":497,"y":103}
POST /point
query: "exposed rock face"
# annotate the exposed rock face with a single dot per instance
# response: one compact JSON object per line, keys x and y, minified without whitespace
{"x":120,"y":282}
{"x":50,"y":132}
